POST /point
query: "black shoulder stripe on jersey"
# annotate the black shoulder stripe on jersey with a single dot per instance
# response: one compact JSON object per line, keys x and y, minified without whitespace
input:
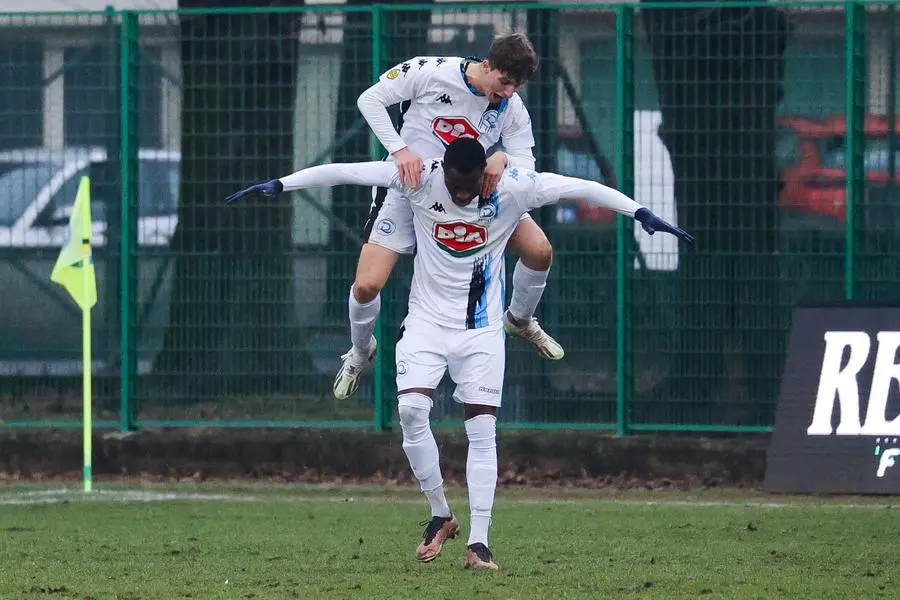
{"x":404,"y":106}
{"x":476,"y":290}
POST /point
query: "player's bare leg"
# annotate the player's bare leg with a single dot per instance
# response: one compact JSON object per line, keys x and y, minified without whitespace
{"x":372,"y":272}
{"x":481,"y":479}
{"x":414,"y":407}
{"x":529,"y":281}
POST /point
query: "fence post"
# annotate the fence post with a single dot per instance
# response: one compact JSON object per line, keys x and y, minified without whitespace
{"x":382,"y":422}
{"x":855,"y":109}
{"x":129,"y":64}
{"x":624,"y":118}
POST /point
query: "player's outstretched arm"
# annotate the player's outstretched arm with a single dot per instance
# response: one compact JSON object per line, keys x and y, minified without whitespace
{"x":552,"y":188}
{"x":651,"y":224}
{"x":375,"y":173}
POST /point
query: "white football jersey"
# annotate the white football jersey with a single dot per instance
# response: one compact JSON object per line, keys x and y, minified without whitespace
{"x":459,"y":275}
{"x":438,"y":105}
{"x":459,"y":272}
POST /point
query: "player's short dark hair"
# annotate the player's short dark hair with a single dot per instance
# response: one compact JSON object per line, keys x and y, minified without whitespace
{"x":513,"y":55}
{"x":465,"y":155}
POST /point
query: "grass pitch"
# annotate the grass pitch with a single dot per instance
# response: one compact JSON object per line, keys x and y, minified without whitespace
{"x":258,"y":542}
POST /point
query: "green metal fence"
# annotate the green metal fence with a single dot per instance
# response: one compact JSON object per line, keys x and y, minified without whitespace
{"x":762,"y":128}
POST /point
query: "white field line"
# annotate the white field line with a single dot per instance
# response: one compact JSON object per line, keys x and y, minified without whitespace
{"x":56,"y":496}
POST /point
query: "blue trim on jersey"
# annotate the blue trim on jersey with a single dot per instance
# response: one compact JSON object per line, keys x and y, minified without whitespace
{"x":503,"y":104}
{"x":481,"y":317}
{"x":503,"y":288}
{"x":462,"y":71}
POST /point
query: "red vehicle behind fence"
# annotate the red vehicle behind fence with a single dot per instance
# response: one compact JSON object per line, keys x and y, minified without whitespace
{"x":811,"y":163}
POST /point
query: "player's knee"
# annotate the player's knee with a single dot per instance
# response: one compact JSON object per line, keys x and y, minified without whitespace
{"x":481,"y":429}
{"x":473,"y":410}
{"x":412,"y":417}
{"x":538,"y":253}
{"x":366,"y":289}
{"x":413,"y":410}
{"x":372,"y":271}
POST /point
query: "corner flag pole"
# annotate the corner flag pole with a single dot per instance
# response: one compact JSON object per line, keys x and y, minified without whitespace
{"x":87,"y":432}
{"x":74,"y":270}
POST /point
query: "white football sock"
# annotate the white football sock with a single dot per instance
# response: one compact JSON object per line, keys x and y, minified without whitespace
{"x":422,"y":451}
{"x":528,"y":287}
{"x":481,"y":474}
{"x":437,"y":498}
{"x":362,"y":321}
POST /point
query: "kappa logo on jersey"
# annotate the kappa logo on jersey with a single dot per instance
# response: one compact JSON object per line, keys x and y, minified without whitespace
{"x":459,"y":238}
{"x":437,"y":207}
{"x":448,"y":129}
{"x":445,"y":99}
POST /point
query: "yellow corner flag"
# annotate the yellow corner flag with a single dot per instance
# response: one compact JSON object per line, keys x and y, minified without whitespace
{"x":68,"y":270}
{"x":74,"y":270}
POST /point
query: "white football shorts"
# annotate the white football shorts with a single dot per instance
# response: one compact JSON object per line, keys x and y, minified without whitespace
{"x":390,"y":222}
{"x":474,"y":358}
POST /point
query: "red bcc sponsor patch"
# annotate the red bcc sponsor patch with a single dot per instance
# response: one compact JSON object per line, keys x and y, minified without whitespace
{"x":448,"y":129}
{"x":459,"y":238}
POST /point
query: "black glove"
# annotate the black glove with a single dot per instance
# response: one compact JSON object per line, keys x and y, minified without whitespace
{"x":651,"y":224}
{"x":269,"y":188}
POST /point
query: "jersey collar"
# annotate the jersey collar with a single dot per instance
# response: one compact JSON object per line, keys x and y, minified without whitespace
{"x":462,"y":71}
{"x":499,"y":106}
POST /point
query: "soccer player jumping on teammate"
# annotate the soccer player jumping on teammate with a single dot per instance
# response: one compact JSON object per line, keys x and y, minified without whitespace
{"x":442,"y":99}
{"x":454,"y":321}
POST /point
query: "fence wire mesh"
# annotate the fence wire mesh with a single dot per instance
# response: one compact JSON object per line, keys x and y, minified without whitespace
{"x":769,"y":131}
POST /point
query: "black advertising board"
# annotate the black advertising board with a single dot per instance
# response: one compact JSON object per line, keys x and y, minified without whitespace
{"x":836,"y":425}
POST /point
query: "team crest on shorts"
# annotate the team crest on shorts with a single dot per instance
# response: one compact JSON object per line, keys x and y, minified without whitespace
{"x":385,"y":226}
